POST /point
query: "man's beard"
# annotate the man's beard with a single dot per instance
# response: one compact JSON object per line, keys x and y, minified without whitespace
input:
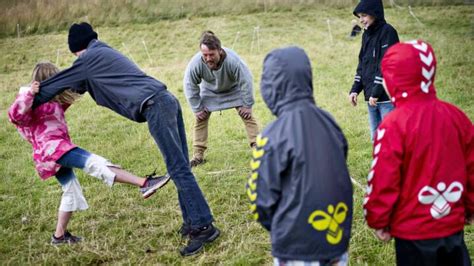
{"x":212,"y":65}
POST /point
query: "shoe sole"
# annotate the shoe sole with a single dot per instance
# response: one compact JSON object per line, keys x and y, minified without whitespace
{"x":155,"y":188}
{"x":214,"y":236}
{"x":192,"y":165}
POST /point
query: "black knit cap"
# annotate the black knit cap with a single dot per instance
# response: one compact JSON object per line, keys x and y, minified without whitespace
{"x":80,"y":35}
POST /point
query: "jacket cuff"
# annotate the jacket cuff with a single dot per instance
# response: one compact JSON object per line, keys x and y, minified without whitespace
{"x":356,"y":88}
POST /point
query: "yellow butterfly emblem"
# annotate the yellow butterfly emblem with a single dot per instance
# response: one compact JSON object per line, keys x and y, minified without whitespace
{"x":330,"y":221}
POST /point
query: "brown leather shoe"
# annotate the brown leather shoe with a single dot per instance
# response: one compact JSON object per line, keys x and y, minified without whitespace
{"x":195,"y":161}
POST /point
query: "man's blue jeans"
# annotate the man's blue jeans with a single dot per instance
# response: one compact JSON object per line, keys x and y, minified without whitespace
{"x":376,"y":115}
{"x":165,"y":122}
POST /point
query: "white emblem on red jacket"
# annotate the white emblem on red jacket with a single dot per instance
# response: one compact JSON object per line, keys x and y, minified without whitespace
{"x":440,"y":198}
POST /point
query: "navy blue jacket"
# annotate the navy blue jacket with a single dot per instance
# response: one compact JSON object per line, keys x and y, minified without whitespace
{"x":300,"y":189}
{"x":111,"y":79}
{"x":375,"y":42}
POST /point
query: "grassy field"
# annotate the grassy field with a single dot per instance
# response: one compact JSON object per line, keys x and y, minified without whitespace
{"x":120,"y":227}
{"x":20,"y":17}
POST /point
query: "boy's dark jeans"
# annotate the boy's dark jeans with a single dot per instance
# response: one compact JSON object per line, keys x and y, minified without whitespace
{"x":450,"y":250}
{"x":165,"y":122}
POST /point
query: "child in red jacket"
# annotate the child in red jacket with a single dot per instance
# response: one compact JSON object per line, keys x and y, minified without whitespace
{"x":421,"y":185}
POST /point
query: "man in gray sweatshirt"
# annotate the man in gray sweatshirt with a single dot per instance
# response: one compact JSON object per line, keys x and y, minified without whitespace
{"x":217,"y":79}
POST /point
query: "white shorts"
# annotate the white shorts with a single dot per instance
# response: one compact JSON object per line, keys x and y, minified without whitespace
{"x":72,"y":198}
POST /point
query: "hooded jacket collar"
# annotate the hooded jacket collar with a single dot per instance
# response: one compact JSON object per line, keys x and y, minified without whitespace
{"x":373,"y":8}
{"x":409,"y":71}
{"x":370,"y":7}
{"x":286,"y":79}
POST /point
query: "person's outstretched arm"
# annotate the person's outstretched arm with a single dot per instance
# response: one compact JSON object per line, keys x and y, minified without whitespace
{"x":73,"y":78}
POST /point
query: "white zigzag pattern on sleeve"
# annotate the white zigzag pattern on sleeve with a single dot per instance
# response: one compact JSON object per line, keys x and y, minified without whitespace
{"x":428,"y":74}
{"x":427,"y":59}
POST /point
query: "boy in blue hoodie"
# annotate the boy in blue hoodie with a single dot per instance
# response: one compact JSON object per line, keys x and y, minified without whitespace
{"x":300,"y":189}
{"x":377,"y":38}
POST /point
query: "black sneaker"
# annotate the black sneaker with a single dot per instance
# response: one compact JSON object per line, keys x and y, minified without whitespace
{"x":152,"y":184}
{"x":184,"y":230}
{"x":197,"y":239}
{"x":67,"y":238}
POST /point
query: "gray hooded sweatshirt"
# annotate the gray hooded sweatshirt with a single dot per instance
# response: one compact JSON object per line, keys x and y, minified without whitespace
{"x":300,"y":189}
{"x":227,"y":87}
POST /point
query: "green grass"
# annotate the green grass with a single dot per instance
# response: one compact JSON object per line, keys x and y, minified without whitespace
{"x":120,"y":227}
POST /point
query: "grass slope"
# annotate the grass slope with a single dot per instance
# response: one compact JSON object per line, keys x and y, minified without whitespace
{"x":121,"y":228}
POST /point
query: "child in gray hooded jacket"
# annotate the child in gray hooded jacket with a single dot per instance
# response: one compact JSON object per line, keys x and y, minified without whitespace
{"x":300,"y":189}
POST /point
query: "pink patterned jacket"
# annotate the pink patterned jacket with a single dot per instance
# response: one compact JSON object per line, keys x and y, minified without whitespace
{"x":45,"y":128}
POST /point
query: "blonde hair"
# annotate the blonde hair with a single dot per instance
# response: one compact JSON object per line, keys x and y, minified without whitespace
{"x":45,"y":70}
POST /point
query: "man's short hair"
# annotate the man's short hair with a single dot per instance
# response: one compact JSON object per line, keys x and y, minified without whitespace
{"x":209,"y":39}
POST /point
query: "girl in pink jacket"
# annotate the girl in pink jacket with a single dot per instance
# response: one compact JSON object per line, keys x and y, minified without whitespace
{"x":55,"y":155}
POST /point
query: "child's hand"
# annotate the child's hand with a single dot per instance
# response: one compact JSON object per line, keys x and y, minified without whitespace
{"x":353,"y":98}
{"x":373,"y":101}
{"x":202,"y":115}
{"x":35,"y":87}
{"x":383,"y":235}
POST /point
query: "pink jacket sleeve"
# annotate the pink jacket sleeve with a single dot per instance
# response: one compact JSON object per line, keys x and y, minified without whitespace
{"x":383,"y":188}
{"x":20,"y":112}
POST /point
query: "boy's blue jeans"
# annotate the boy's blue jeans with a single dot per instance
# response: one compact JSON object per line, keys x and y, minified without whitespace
{"x":165,"y":122}
{"x":376,"y":115}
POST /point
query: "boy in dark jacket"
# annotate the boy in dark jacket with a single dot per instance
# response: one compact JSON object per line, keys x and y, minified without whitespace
{"x":377,"y":37}
{"x":300,"y":189}
{"x":421,"y":185}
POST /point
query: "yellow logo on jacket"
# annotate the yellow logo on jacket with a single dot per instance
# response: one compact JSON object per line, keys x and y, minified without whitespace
{"x":330,"y":221}
{"x":257,"y":153}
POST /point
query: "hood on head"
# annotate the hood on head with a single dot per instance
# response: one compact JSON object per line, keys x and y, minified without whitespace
{"x":370,"y":7}
{"x":409,"y":71}
{"x":286,"y":78}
